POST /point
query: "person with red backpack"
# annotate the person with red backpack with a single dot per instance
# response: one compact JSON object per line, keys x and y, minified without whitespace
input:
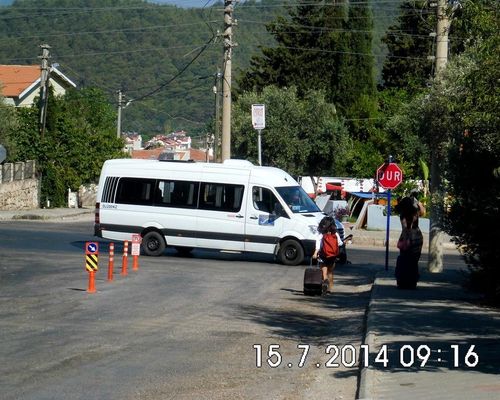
{"x":327,"y":250}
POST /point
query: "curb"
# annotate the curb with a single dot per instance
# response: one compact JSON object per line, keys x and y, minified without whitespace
{"x":45,"y":215}
{"x":367,"y":373}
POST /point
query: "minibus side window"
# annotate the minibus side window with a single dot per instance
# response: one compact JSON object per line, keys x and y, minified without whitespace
{"x":108,"y":192}
{"x":182,"y":194}
{"x":221,"y":197}
{"x":137,"y":191}
{"x":264,"y":200}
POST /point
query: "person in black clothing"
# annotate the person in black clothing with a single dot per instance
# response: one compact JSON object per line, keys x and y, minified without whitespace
{"x":410,"y":242}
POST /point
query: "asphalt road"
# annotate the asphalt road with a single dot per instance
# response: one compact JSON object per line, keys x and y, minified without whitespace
{"x":179,"y":328}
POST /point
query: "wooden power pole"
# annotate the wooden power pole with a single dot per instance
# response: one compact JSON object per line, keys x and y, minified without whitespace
{"x":436,"y":187}
{"x":44,"y":87}
{"x":226,"y":82}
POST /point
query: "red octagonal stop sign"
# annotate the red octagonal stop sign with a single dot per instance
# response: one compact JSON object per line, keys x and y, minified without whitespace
{"x":389,"y":176}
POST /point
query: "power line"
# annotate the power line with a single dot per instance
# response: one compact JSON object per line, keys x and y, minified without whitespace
{"x":58,"y":11}
{"x":160,"y":87}
{"x":125,"y":30}
{"x":107,"y":53}
{"x":346,"y":52}
{"x":316,"y":4}
{"x":319,"y":29}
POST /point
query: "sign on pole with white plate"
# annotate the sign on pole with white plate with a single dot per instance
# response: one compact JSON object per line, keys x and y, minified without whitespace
{"x":258,"y":116}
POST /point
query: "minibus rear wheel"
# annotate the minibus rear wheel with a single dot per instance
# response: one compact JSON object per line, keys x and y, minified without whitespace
{"x":153,"y":244}
{"x":291,"y":252}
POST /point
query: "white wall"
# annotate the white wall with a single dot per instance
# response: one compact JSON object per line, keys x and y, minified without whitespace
{"x":378,"y":221}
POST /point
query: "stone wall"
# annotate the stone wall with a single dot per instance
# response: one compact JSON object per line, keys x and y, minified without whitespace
{"x":87,"y":195}
{"x":20,"y":195}
{"x":19,"y":186}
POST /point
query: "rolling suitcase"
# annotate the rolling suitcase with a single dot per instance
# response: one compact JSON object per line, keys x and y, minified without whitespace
{"x":313,"y":281}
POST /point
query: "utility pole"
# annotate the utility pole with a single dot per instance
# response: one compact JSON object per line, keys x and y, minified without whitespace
{"x":226,"y":84}
{"x":121,"y":106}
{"x":44,"y":88}
{"x":119,"y":120}
{"x":442,"y":30}
{"x":436,"y":188}
{"x":209,"y":146}
{"x":217,"y":135}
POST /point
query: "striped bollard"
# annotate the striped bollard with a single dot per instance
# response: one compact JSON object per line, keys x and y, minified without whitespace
{"x":111,"y":263}
{"x":125,"y":258}
{"x":91,"y":263}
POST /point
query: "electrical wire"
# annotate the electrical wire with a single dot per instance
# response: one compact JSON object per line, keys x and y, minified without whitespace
{"x":125,"y":30}
{"x":344,"y":52}
{"x":153,"y":92}
{"x":106,"y":53}
{"x":325,"y":29}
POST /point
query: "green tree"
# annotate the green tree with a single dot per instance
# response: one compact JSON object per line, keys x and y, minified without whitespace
{"x":8,"y":126}
{"x":136,"y":46}
{"x":303,"y":136}
{"x":458,"y":118}
{"x":474,"y":161}
{"x":409,"y":45}
{"x":80,"y":135}
{"x":303,"y":55}
{"x":320,"y":47}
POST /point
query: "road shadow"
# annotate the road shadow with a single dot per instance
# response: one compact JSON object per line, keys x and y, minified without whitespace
{"x":318,"y":319}
{"x":308,"y":327}
{"x":440,"y":313}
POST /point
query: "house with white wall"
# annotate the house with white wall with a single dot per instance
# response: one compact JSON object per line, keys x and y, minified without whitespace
{"x":20,"y":84}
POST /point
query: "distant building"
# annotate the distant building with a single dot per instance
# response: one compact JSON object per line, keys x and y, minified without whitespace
{"x":20,"y":84}
{"x":175,"y":146}
{"x":177,"y":141}
{"x":154,"y":154}
{"x":133,"y":141}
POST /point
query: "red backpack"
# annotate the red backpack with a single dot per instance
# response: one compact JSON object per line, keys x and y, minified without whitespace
{"x":329,"y":246}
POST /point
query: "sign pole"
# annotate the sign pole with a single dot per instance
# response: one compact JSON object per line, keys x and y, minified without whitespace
{"x":259,"y":123}
{"x":387,"y":230}
{"x":389,"y":176}
{"x":259,"y":144}
{"x":136,"y":250}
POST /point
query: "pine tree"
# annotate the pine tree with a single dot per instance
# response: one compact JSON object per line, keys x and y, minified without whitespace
{"x":321,"y":46}
{"x":306,"y":55}
{"x":409,"y":44}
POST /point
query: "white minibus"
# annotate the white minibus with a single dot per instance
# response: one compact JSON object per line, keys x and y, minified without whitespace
{"x":234,"y":206}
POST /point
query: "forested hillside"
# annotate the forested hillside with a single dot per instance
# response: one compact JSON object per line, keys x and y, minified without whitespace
{"x":140,"y":48}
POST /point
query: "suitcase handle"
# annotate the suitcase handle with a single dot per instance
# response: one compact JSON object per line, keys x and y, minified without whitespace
{"x":311,"y":262}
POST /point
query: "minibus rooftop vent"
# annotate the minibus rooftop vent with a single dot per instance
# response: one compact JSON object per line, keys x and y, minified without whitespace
{"x":238,"y":163}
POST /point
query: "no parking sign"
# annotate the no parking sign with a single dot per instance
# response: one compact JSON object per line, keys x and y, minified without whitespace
{"x":136,"y":245}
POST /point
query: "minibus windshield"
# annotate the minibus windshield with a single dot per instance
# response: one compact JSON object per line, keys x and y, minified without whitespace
{"x":297,"y":199}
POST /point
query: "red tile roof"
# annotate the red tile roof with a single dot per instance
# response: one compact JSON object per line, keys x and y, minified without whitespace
{"x":153,"y":154}
{"x":15,"y":79}
{"x":198,"y":155}
{"x":148,"y":154}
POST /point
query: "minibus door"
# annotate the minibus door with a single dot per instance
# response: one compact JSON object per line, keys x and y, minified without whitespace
{"x":221,"y":216}
{"x":264,"y":220}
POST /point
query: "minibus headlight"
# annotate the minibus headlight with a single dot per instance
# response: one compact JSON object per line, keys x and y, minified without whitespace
{"x":313,"y":229}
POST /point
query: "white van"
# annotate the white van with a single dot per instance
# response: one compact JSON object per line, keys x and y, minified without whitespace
{"x":230,"y":206}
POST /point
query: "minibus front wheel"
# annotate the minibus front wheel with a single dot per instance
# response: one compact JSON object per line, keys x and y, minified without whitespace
{"x":291,"y":252}
{"x":153,"y":244}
